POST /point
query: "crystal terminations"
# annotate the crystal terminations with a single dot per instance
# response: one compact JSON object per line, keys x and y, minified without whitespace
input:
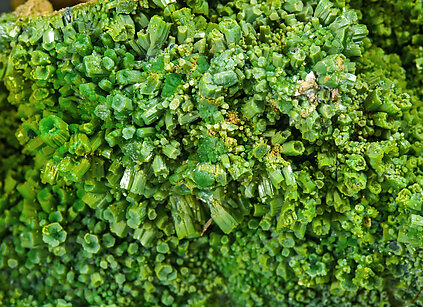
{"x":172,"y":153}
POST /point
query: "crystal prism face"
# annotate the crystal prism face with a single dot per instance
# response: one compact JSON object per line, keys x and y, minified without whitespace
{"x":211,"y":153}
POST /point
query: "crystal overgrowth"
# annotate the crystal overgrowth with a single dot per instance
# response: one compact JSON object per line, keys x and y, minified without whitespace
{"x":207,"y":154}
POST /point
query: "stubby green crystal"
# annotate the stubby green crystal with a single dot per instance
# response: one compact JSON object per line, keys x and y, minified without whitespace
{"x":212,"y":153}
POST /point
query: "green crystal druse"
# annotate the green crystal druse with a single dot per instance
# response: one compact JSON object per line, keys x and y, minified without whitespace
{"x":212,"y":153}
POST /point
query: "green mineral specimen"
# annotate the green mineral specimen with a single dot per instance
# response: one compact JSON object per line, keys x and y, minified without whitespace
{"x":212,"y":153}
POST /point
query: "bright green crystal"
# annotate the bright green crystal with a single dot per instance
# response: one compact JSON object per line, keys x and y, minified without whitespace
{"x":212,"y":153}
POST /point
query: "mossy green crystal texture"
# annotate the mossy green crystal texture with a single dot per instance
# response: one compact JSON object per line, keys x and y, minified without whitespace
{"x":194,"y":153}
{"x":397,"y":27}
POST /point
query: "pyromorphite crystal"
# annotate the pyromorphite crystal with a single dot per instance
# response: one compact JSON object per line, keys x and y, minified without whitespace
{"x":54,"y":234}
{"x":54,"y":131}
{"x":211,"y":153}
